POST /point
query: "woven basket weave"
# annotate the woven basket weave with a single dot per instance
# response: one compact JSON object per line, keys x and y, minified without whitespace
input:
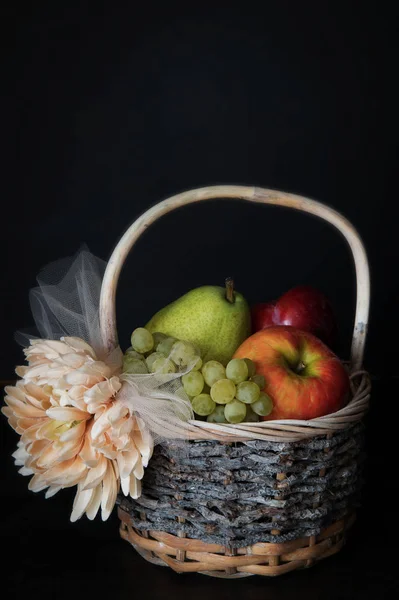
{"x":254,"y":498}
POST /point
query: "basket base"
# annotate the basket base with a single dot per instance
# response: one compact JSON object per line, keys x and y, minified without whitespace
{"x":185,"y":555}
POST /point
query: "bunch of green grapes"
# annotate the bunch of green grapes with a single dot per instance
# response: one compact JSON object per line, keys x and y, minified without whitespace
{"x":158,"y":353}
{"x":232,"y":394}
{"x":220,"y":394}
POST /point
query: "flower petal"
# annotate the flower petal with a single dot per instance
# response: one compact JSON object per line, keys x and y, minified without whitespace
{"x":26,"y":423}
{"x":59,"y":453}
{"x":79,"y":345}
{"x":73,"y":433}
{"x":125,"y":485}
{"x":37,"y":483}
{"x":22,"y":409}
{"x":72,"y":360}
{"x":101,"y":424}
{"x":102,"y":392}
{"x":81,"y":502}
{"x":52,"y":490}
{"x":30,"y":434}
{"x":38,"y":392}
{"x":89,"y":374}
{"x":138,"y":470}
{"x":21,"y":370}
{"x":67,"y":473}
{"x":88,"y":453}
{"x":51,"y":347}
{"x":25,"y":471}
{"x":20,"y":455}
{"x":95,"y":475}
{"x":92,"y":509}
{"x":135,"y":487}
{"x":17,"y":391}
{"x":67,"y":413}
{"x":110,"y":491}
{"x":127,"y":461}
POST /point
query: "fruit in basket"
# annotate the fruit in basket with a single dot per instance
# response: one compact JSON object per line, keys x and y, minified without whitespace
{"x":151,"y":358}
{"x":304,"y":378}
{"x":203,"y":405}
{"x":165,"y":345}
{"x":303,"y":307}
{"x":228,"y":387}
{"x":161,"y":354}
{"x":223,"y":391}
{"x":250,"y":366}
{"x":183,"y":354}
{"x":215,"y":319}
{"x":163,"y":365}
{"x":248,"y":392}
{"x":235,"y":411}
{"x":211,"y":386}
{"x":237,"y":370}
{"x":251,"y":416}
{"x":193,"y":383}
{"x":212,"y":371}
{"x":217,"y":416}
{"x":259,"y":380}
{"x":142,"y":340}
{"x":134,"y":365}
{"x":263,"y":405}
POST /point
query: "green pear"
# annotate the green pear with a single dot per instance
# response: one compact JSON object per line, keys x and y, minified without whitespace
{"x":215,"y":319}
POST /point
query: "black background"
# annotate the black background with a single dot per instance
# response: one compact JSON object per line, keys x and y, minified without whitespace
{"x":110,"y":109}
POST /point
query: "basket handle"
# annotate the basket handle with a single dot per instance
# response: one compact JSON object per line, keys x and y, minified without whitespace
{"x":251,"y":194}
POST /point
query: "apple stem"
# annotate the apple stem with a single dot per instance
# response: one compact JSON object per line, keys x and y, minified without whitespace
{"x":229,"y":283}
{"x":300,"y":367}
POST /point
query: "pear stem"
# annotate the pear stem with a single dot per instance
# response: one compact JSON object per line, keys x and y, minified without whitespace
{"x":229,"y":283}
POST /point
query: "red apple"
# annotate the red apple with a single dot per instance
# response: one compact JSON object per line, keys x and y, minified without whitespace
{"x":302,"y":307}
{"x":304,"y":378}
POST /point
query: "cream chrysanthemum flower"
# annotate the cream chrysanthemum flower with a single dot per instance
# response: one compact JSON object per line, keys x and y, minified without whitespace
{"x":73,"y":429}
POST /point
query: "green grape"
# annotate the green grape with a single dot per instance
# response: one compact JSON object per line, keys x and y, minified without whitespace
{"x":142,"y":340}
{"x":163,"y":365}
{"x":263,"y":406}
{"x":251,"y":416}
{"x":251,"y":366}
{"x":223,"y":391}
{"x":203,"y":405}
{"x":235,"y":411}
{"x":134,"y":366}
{"x":213,"y":371}
{"x":165,"y":346}
{"x":218,"y":415}
{"x":183,"y":353}
{"x":149,"y":361}
{"x":158,"y":337}
{"x":133,"y":354}
{"x":193,"y":383}
{"x":197,"y":366}
{"x":259,"y":380}
{"x":237,"y":370}
{"x":248,"y":392}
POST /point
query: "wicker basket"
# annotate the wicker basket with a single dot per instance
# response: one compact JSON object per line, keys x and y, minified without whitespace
{"x":255,"y":498}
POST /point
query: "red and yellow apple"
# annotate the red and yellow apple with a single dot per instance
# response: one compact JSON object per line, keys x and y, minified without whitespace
{"x":304,"y":378}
